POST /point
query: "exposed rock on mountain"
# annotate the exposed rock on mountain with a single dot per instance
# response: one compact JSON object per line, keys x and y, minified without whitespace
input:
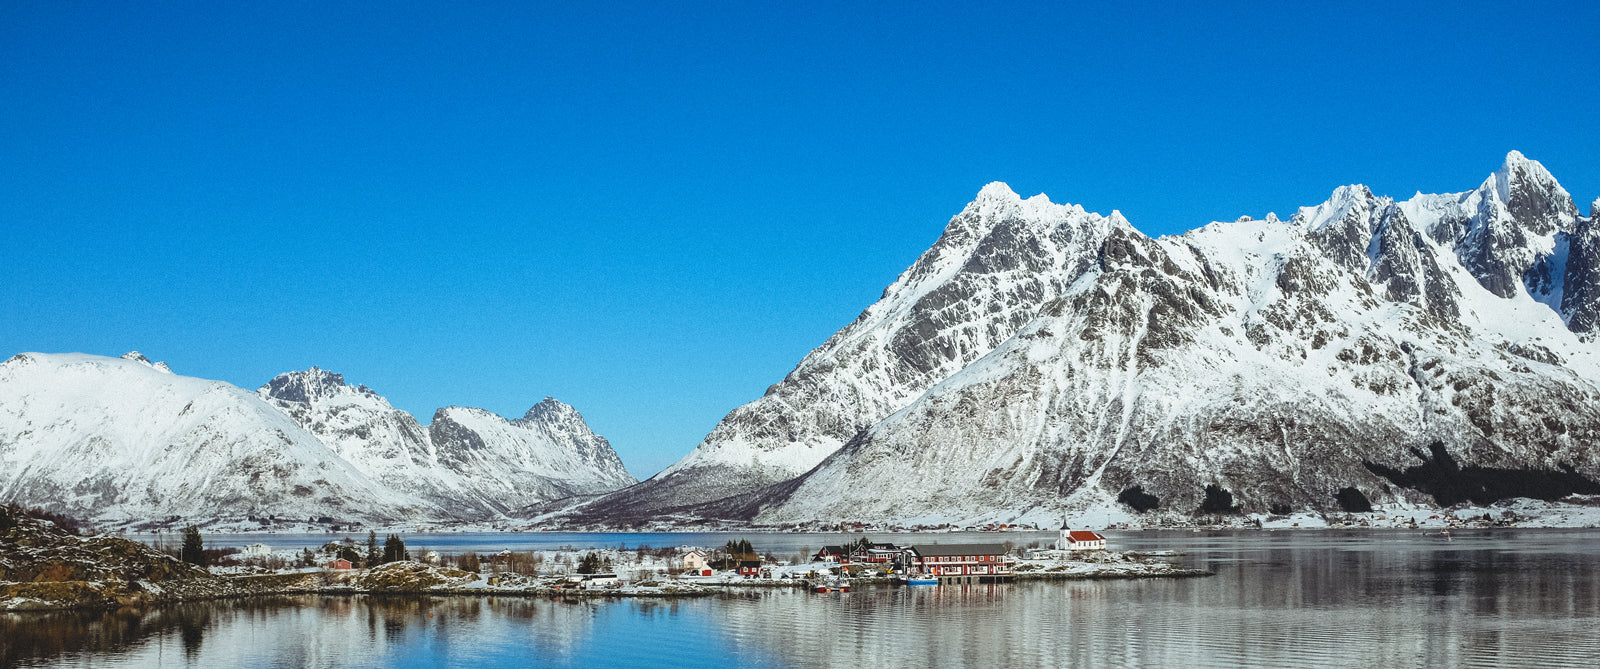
{"x":1271,"y":359}
{"x":1580,"y":297}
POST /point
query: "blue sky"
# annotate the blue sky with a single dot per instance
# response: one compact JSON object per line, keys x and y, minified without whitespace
{"x":652,"y":212}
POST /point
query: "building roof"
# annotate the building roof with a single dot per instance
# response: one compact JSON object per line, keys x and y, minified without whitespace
{"x":749,"y":563}
{"x":961,"y":549}
{"x":1084,"y":535}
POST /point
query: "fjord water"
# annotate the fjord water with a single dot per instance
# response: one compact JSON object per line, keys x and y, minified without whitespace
{"x":1501,"y":598}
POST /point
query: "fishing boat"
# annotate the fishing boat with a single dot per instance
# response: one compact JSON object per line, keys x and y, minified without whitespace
{"x":919,"y":580}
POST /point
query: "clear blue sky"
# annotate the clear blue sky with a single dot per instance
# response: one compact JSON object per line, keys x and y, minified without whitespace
{"x":654,"y":212}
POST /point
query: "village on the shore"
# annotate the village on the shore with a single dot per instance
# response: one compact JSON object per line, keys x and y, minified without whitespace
{"x":696,"y":569}
{"x":45,"y":564}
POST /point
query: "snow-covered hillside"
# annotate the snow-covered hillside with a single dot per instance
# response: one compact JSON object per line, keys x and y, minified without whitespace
{"x":120,"y":439}
{"x":1283,"y":361}
{"x":127,"y":440}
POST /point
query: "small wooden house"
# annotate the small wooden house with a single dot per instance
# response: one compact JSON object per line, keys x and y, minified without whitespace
{"x":339,"y":563}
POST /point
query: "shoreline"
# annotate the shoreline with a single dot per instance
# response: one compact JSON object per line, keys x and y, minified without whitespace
{"x":81,"y":595}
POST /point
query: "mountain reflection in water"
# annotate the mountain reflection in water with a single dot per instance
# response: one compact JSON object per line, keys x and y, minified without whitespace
{"x":1502,"y":598}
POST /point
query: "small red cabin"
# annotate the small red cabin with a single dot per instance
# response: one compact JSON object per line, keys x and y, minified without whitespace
{"x":339,"y":564}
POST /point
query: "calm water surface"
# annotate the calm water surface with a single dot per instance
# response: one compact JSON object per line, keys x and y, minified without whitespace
{"x":1513,"y":598}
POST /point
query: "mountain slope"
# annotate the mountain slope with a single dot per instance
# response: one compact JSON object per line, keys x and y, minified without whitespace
{"x":995,"y":264}
{"x":1280,"y":360}
{"x":120,"y":439}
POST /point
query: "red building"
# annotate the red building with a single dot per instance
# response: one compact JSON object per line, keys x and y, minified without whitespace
{"x":962,"y":563}
{"x":339,"y":564}
{"x":832,"y":554}
{"x":750,"y":568}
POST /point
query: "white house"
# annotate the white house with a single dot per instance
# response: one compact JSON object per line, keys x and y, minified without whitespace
{"x":694,"y":562}
{"x":1080,"y":540}
{"x":256,"y":550}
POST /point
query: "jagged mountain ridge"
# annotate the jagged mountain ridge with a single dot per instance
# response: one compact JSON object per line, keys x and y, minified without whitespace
{"x":126,"y":440}
{"x":1272,"y":357}
{"x":467,"y":459}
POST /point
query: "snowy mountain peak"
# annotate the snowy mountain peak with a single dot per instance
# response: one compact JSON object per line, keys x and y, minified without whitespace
{"x":551,"y":408}
{"x":1530,"y":194}
{"x":1346,"y":200}
{"x":1041,"y":358}
{"x":141,"y":359}
{"x":1594,"y":208}
{"x":997,"y":190}
{"x":312,"y":385}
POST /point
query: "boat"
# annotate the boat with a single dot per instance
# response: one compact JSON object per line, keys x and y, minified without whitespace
{"x":821,"y":589}
{"x":922,"y":581}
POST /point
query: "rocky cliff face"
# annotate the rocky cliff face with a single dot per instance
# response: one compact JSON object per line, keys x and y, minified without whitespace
{"x":1580,"y":297}
{"x":1283,"y":361}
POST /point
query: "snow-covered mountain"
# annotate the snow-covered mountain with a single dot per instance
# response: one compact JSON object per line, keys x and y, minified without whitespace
{"x":996,"y":264}
{"x":122,"y":439}
{"x":128,"y":440}
{"x":470,"y":461}
{"x":1040,"y":360}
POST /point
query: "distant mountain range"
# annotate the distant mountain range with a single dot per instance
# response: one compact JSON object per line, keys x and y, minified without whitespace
{"x":1040,"y":360}
{"x":1037,"y":361}
{"x":126,"y":440}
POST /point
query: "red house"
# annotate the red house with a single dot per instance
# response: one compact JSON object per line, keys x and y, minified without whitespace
{"x":339,"y":564}
{"x":962,"y":563}
{"x":750,"y":568}
{"x":831,"y":554}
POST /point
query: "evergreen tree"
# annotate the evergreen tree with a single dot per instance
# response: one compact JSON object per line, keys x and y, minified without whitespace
{"x":394,"y":550}
{"x":589,"y":564}
{"x":374,"y":558}
{"x":194,"y":549}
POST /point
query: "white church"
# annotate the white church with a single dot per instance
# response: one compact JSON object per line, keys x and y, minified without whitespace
{"x":1080,"y":540}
